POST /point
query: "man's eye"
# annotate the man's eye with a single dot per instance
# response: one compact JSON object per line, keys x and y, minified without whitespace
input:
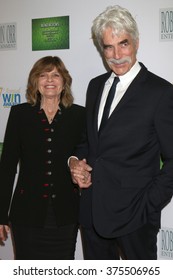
{"x":124,"y":44}
{"x":107,"y":47}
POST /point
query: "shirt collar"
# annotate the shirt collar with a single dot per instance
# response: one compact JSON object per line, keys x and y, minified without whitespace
{"x":129,"y":76}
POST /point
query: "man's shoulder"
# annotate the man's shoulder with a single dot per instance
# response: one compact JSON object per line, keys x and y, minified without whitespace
{"x":101,"y":77}
{"x":153,"y":77}
{"x":158,"y":79}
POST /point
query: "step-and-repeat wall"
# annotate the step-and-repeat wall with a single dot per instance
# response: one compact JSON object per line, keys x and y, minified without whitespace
{"x":30,"y":30}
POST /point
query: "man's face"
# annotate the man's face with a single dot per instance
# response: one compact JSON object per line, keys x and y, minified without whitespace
{"x":119,"y":51}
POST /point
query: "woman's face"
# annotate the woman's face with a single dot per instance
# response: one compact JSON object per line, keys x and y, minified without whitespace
{"x":50,"y":84}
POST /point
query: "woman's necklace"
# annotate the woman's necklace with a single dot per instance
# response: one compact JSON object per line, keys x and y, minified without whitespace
{"x":50,"y":112}
{"x":50,"y":116}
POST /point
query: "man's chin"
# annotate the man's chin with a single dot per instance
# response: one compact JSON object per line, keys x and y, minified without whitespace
{"x":120,"y":70}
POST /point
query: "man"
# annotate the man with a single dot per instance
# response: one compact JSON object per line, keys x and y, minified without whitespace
{"x":118,"y":167}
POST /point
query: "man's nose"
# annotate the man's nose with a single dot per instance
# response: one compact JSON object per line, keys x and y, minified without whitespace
{"x":117,"y":53}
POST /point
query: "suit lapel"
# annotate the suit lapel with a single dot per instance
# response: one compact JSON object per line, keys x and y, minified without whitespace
{"x":97,"y":103}
{"x":132,"y":90}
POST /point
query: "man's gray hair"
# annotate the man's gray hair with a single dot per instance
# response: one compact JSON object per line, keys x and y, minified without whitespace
{"x":118,"y":19}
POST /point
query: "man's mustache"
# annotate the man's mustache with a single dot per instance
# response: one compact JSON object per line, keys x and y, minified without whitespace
{"x":119,"y":61}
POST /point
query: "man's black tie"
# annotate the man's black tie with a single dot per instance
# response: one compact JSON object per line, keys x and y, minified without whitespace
{"x":108,"y":103}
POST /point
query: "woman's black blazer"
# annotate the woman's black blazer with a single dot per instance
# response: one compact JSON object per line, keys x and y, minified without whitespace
{"x":38,"y":152}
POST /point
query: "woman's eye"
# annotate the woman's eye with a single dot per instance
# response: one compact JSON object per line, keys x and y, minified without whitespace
{"x":56,"y":75}
{"x":42,"y":75}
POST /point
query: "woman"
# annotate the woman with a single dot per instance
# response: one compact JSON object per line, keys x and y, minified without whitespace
{"x":40,"y":136}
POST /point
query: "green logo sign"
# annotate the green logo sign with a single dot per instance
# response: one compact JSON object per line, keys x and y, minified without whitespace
{"x":50,"y":33}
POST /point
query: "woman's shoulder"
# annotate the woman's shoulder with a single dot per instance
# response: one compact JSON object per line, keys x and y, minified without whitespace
{"x":22,"y":110}
{"x":21,"y":106}
{"x":78,"y":110}
{"x":77,"y":107}
{"x":75,"y":111}
{"x":74,"y":108}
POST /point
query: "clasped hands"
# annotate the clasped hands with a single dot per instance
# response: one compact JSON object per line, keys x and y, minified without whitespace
{"x":80,"y":172}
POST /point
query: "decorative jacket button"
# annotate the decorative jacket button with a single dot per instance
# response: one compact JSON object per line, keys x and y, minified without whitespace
{"x":53,"y":195}
{"x":49,"y":151}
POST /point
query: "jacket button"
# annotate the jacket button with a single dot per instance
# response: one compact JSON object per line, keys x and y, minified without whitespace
{"x":53,"y":195}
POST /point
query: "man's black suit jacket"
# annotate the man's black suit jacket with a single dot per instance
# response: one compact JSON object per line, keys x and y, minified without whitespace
{"x":42,"y":150}
{"x":128,"y":188}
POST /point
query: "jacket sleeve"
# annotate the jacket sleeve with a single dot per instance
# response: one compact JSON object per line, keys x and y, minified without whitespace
{"x":8,"y":164}
{"x":161,"y":190}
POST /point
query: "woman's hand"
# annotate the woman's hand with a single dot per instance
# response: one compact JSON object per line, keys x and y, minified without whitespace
{"x":4,"y":231}
{"x":80,"y":172}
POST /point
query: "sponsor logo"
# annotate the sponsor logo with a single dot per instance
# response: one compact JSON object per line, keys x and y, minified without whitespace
{"x":8,"y":34}
{"x":50,"y":33}
{"x":166,"y":243}
{"x":166,"y":24}
{"x":10,"y":97}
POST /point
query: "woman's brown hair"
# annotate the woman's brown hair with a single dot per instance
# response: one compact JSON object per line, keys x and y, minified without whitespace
{"x":47,"y":64}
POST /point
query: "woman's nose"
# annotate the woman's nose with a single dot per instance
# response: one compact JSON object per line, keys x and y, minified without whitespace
{"x":49,"y":77}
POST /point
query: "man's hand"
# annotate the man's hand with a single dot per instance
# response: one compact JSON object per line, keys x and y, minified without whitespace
{"x":80,"y":172}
